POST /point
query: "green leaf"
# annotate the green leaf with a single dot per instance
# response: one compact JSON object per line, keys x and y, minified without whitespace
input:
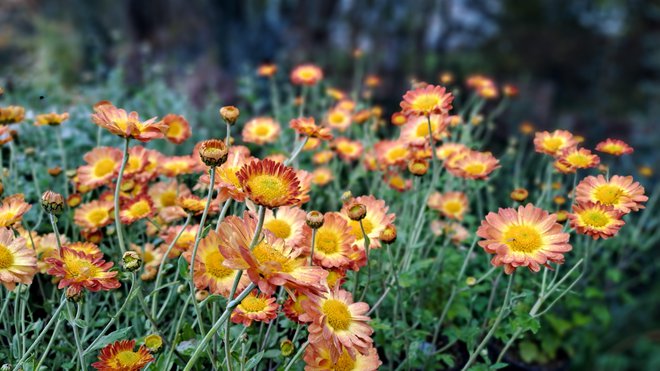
{"x":254,"y":361}
{"x":183,"y":268}
{"x":529,"y":352}
{"x":273,"y":353}
{"x":111,"y":338}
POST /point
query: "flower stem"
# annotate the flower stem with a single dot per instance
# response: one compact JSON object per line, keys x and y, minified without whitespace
{"x":118,"y":226}
{"x":53,"y":223}
{"x":311,"y":255}
{"x":296,"y":356}
{"x":43,"y":333}
{"x":76,"y":336}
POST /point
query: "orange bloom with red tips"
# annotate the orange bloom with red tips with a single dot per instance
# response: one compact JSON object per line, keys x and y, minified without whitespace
{"x":269,"y":183}
{"x":293,"y":308}
{"x":102,"y":166}
{"x":416,"y":130}
{"x":374,"y":222}
{"x":136,"y":209}
{"x":332,"y":245}
{"x":527,"y":237}
{"x":164,"y":194}
{"x":397,"y":182}
{"x":120,"y":356}
{"x":306,"y":126}
{"x":11,"y":115}
{"x":287,"y":224}
{"x":255,"y":307}
{"x":12,"y":210}
{"x":572,"y":159}
{"x":126,"y":125}
{"x":174,"y":166}
{"x":185,"y":241}
{"x":177,"y":128}
{"x":614,"y":147}
{"x":322,"y":176}
{"x":306,"y":74}
{"x":319,"y":357}
{"x":87,"y":248}
{"x":78,"y":271}
{"x":261,"y":130}
{"x":391,"y":153}
{"x":452,"y":205}
{"x":475,"y":165}
{"x":267,"y":70}
{"x":554,"y":143}
{"x":398,"y":119}
{"x":18,"y":263}
{"x":94,"y":215}
{"x":596,"y":220}
{"x":620,"y":192}
{"x":348,"y":150}
{"x":51,"y":119}
{"x":427,"y":101}
{"x":447,"y":150}
{"x":138,"y":159}
{"x":338,"y":118}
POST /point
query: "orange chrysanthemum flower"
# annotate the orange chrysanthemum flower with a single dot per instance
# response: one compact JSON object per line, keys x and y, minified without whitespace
{"x":323,"y":157}
{"x":287,"y":225}
{"x":150,"y":254}
{"x":120,"y":356}
{"x":620,"y":192}
{"x":18,"y":263}
{"x":448,"y":150}
{"x":174,"y":166}
{"x":572,"y":159}
{"x":306,"y":126}
{"x":426,"y":101}
{"x":293,"y":308}
{"x":102,"y":166}
{"x":305,"y":179}
{"x":94,"y":215}
{"x":527,"y":237}
{"x":333,"y":242}
{"x":267,"y":70}
{"x":416,"y":130}
{"x":261,"y":130}
{"x":270,"y":263}
{"x":210,"y":272}
{"x":397,"y":182}
{"x":339,"y":322}
{"x":269,"y":183}
{"x":553,"y":143}
{"x":339,"y":119}
{"x":138,"y":159}
{"x":322,"y":176}
{"x":453,"y":205}
{"x":177,"y":128}
{"x":185,"y":241}
{"x":11,"y":115}
{"x":87,"y":248}
{"x":596,"y":220}
{"x":12,"y":210}
{"x":51,"y":119}
{"x":255,"y":307}
{"x":348,"y":150}
{"x":374,"y":222}
{"x":320,"y":357}
{"x":126,"y":125}
{"x":136,"y":209}
{"x":312,"y":144}
{"x":392,"y":153}
{"x":164,"y":194}
{"x":475,"y":165}
{"x":80,"y":271}
{"x":614,"y":147}
{"x":306,"y":74}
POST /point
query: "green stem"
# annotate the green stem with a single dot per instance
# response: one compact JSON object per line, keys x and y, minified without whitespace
{"x":118,"y":226}
{"x":76,"y":337}
{"x":296,"y":356}
{"x":42,"y":334}
{"x":311,"y":255}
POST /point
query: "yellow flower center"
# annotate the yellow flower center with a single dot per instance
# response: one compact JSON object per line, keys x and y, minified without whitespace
{"x":453,"y":207}
{"x":595,"y":218}
{"x":252,"y":304}
{"x":344,"y":363}
{"x":397,"y":154}
{"x":306,"y":74}
{"x":168,"y":198}
{"x":578,"y":160}
{"x":97,"y":216}
{"x":272,"y":258}
{"x":127,"y":358}
{"x":133,"y":164}
{"x":148,"y":257}
{"x":398,"y":182}
{"x":327,"y":241}
{"x":522,"y":238}
{"x":186,"y":239}
{"x":426,"y":102}
{"x":267,"y":187}
{"x":6,"y":257}
{"x":104,"y":167}
{"x":139,"y":209}
{"x":608,"y":194}
{"x":475,"y":168}
{"x":423,"y":129}
{"x":346,"y":148}
{"x":279,"y":228}
{"x":175,"y":129}
{"x":214,"y":267}
{"x":553,"y":144}
{"x":337,"y":117}
{"x":337,"y":314}
{"x":177,"y":167}
{"x":262,"y":130}
{"x":80,"y":269}
{"x":357,"y":231}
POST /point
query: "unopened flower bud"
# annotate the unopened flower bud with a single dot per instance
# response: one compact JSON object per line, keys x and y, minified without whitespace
{"x":559,"y":200}
{"x":562,"y":215}
{"x":418,"y":167}
{"x":74,"y":295}
{"x":181,"y":289}
{"x":6,"y":366}
{"x":229,"y":114}
{"x":213,"y":152}
{"x":154,"y":343}
{"x":470,"y":281}
{"x":519,"y":194}
{"x":55,"y":171}
{"x":346,"y":196}
{"x":201,"y":295}
{"x":388,"y":235}
{"x":131,"y":261}
{"x":314,"y":219}
{"x":53,"y":203}
{"x":357,"y":211}
{"x":286,"y":347}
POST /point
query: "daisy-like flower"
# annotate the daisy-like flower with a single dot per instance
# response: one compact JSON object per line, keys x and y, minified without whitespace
{"x":210,"y":272}
{"x":306,"y":74}
{"x":185,"y":241}
{"x":51,"y":119}
{"x":614,"y":147}
{"x":339,"y":322}
{"x":448,"y":150}
{"x":138,"y":158}
{"x":192,"y":204}
{"x":94,"y":215}
{"x":126,"y":125}
{"x":553,"y":143}
{"x":293,"y":308}
{"x":150,"y":170}
{"x":333,"y":242}
{"x":287,"y":225}
{"x":475,"y":165}
{"x":102,"y":166}
{"x":416,"y":130}
{"x":312,"y":144}
{"x":87,"y":248}
{"x":574,"y":158}
{"x":150,"y":254}
{"x":339,"y":119}
{"x":12,"y":210}
{"x":78,"y":271}
{"x":174,"y":166}
{"x":322,"y":176}
{"x":269,"y":183}
{"x":319,"y":357}
{"x":620,"y":192}
{"x":346,"y":105}
{"x":456,"y":232}
{"x":270,"y":263}
{"x":165,"y":194}
{"x":121,"y":355}
{"x":267,"y":70}
{"x":527,"y":237}
{"x":453,"y":205}
{"x":306,"y":126}
{"x":226,"y":178}
{"x":305,"y":179}
{"x":11,"y":115}
{"x":426,"y":101}
{"x":136,"y":209}
{"x":374,"y":222}
{"x":18,"y":263}
{"x":397,"y":182}
{"x":255,"y":307}
{"x":348,"y":150}
{"x":323,"y":157}
{"x":261,"y":130}
{"x":177,"y":128}
{"x":392,"y":153}
{"x":596,"y":220}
